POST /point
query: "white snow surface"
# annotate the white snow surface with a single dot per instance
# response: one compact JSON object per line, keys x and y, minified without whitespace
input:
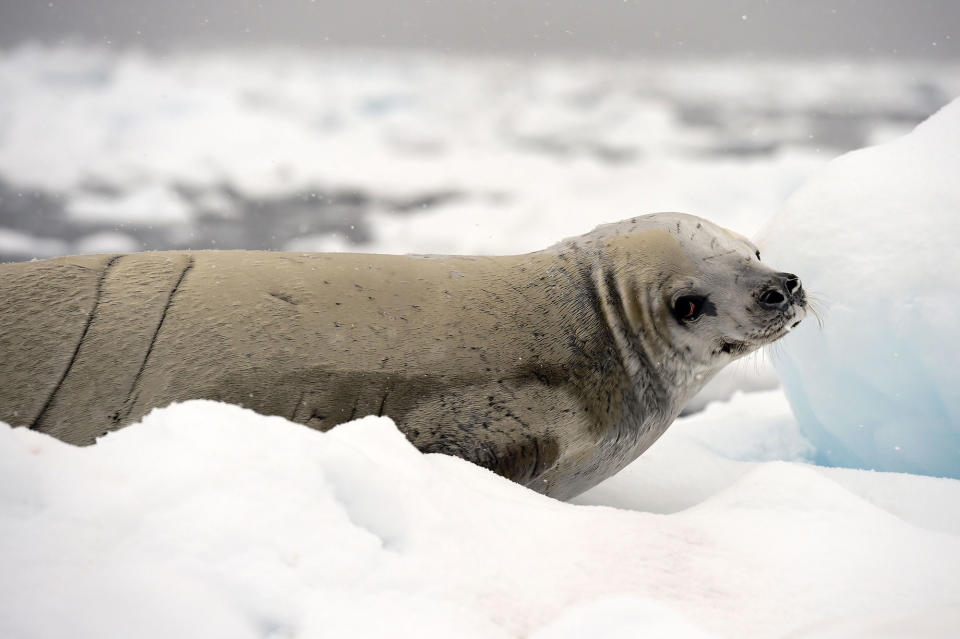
{"x":874,"y":238}
{"x":209,"y":520}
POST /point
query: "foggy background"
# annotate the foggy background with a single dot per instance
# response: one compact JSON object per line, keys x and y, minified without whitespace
{"x":446,"y":127}
{"x":818,"y":28}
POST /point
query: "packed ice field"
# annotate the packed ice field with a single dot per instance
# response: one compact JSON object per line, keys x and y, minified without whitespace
{"x":823,"y":507}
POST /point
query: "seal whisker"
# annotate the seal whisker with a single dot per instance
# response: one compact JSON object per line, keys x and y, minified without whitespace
{"x":817,"y":308}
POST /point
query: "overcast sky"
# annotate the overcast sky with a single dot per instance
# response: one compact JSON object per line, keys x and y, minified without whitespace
{"x":863,"y":28}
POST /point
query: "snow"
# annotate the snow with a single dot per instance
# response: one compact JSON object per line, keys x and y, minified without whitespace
{"x":530,"y":150}
{"x":873,"y":236}
{"x":209,"y":520}
{"x":621,"y":618}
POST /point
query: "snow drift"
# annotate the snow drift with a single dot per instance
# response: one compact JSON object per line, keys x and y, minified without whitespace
{"x":210,"y":520}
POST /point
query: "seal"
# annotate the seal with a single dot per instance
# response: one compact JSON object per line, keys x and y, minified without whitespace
{"x":554,"y":369}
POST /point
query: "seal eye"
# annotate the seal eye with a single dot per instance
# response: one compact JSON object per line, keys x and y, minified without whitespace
{"x":758,"y":256}
{"x":688,"y":308}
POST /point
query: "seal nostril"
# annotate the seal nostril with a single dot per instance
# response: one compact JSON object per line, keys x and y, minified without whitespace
{"x":772,"y":297}
{"x":793,"y":284}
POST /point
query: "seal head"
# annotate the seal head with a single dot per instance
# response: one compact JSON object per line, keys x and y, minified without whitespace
{"x":694,"y":293}
{"x":680,"y":298}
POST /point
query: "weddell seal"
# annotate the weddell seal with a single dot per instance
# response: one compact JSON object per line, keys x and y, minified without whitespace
{"x":554,"y":369}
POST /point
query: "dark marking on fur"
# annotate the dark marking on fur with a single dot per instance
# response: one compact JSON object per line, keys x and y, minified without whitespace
{"x":131,"y":398}
{"x":83,"y":334}
{"x":296,"y":407}
{"x":715,"y":257}
{"x":652,"y":382}
{"x":383,"y":402}
{"x":353,"y":410}
{"x":283,"y":297}
{"x":511,"y":415}
{"x":537,"y":460}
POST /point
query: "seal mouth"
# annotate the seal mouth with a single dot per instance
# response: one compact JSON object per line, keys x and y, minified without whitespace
{"x":786,"y":324}
{"x":783,"y":324}
{"x":733,"y":346}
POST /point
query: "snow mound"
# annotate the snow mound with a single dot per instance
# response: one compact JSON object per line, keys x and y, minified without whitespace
{"x":874,"y":239}
{"x":209,"y":520}
{"x":621,"y":618}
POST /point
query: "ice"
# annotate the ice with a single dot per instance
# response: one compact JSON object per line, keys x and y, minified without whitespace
{"x":874,"y":239}
{"x":209,"y":520}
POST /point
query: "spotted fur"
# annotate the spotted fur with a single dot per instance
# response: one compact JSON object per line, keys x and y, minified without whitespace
{"x":554,"y":369}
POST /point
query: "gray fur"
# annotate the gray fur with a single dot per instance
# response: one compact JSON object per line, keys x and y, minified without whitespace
{"x":554,"y":369}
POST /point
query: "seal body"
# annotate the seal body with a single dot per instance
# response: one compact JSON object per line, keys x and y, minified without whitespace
{"x":554,"y":369}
